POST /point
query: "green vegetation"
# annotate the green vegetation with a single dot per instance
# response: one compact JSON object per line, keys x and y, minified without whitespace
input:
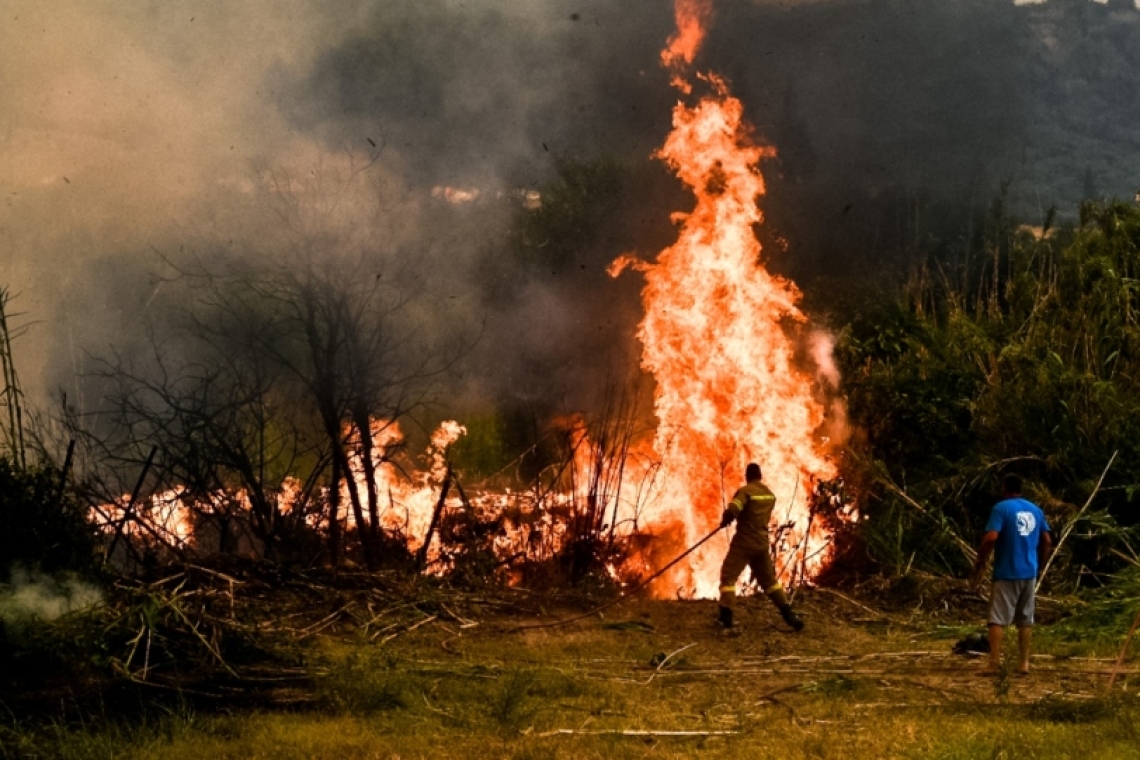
{"x":572,"y":216}
{"x":1025,"y":358}
{"x":1104,"y":616}
{"x":44,"y":528}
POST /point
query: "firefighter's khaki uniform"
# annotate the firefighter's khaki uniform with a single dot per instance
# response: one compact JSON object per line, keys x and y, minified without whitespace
{"x":753,"y":506}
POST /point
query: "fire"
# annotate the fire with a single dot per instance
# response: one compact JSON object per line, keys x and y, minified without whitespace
{"x":729,"y":390}
{"x":715,"y":338}
{"x":165,"y":515}
{"x":170,"y":517}
{"x":691,"y":16}
{"x":409,"y":502}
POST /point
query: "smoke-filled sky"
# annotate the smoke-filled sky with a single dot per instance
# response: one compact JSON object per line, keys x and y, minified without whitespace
{"x":128,"y":127}
{"x":135,"y":132}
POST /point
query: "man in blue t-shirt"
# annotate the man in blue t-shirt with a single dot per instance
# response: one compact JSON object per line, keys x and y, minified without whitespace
{"x":1019,"y":537}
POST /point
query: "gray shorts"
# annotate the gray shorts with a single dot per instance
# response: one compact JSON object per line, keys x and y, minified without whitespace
{"x":1011,"y":603}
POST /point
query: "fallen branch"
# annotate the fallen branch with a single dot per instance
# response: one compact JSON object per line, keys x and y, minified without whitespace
{"x":425,"y":621}
{"x":665,"y":661}
{"x":228,"y":578}
{"x":631,"y":732}
{"x":893,"y":705}
{"x":768,"y":696}
{"x":205,"y":642}
{"x":463,"y":622}
{"x":1123,"y":650}
{"x":1072,"y":523}
{"x":323,"y":623}
{"x":863,"y":607}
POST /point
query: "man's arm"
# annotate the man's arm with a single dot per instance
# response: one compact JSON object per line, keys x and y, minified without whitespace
{"x":1044,"y":549}
{"x":984,"y":552}
{"x":733,"y":510}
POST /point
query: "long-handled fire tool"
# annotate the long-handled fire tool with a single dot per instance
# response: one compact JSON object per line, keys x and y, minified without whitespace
{"x":625,"y":595}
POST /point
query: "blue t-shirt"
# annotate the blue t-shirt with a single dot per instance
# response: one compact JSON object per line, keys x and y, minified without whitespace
{"x":1019,"y":524}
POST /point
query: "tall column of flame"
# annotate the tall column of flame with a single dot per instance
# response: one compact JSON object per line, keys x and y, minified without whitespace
{"x":713,"y":333}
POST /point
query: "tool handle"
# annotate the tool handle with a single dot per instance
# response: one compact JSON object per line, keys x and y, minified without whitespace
{"x":627,"y":594}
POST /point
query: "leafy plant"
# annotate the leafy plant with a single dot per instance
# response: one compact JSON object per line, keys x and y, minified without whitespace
{"x":1024,"y":358}
{"x":44,"y":528}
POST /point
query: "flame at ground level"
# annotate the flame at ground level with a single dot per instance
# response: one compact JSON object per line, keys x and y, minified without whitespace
{"x":618,"y":496}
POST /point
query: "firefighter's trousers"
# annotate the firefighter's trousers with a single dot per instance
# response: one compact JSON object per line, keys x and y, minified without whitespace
{"x":753,"y":554}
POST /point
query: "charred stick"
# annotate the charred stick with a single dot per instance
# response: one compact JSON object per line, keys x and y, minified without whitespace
{"x":66,"y":468}
{"x":127,"y":512}
{"x":421,"y":555}
{"x":472,"y":518}
{"x":463,"y":496}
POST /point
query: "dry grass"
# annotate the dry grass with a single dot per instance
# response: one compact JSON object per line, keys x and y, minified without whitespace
{"x":820,"y":732}
{"x":850,"y":687}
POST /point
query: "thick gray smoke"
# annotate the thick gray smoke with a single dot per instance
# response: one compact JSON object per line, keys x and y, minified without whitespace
{"x":303,"y":133}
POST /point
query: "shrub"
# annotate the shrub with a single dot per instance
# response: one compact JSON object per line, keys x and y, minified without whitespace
{"x":44,"y":528}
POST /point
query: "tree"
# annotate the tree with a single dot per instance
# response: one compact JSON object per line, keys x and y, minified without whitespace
{"x":269,"y":404}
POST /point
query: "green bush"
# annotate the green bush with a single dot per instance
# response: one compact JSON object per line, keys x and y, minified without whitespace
{"x":1025,"y":357}
{"x":44,"y":528}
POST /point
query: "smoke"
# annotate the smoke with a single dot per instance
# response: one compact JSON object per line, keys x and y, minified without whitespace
{"x":29,"y":596}
{"x":302,"y":133}
{"x":130,"y":128}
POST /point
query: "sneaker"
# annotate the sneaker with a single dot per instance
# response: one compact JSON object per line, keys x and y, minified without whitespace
{"x":725,"y":617}
{"x":792,"y":619}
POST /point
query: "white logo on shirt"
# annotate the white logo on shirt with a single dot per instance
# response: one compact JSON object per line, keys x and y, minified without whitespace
{"x":1026,"y":522}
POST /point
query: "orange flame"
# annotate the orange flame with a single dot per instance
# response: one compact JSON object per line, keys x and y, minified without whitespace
{"x":408,"y":504}
{"x":692,"y":16}
{"x":728,"y":388}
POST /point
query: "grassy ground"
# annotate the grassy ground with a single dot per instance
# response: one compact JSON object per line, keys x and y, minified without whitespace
{"x":857,"y":683}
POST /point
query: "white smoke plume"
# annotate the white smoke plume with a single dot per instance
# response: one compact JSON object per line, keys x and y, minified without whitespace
{"x":35,"y":596}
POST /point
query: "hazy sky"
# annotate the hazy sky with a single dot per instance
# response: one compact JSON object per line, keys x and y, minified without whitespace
{"x":132,"y":131}
{"x":129,"y":128}
{"x":125,"y":121}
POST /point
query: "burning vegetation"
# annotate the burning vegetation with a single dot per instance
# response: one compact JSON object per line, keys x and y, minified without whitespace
{"x":289,"y":414}
{"x":719,"y":338}
{"x":738,"y":376}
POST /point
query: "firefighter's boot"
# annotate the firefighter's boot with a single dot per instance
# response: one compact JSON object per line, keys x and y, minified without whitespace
{"x":724,"y":617}
{"x":791,"y":618}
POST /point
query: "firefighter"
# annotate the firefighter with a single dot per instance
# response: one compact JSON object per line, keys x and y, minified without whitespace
{"x":750,"y":508}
